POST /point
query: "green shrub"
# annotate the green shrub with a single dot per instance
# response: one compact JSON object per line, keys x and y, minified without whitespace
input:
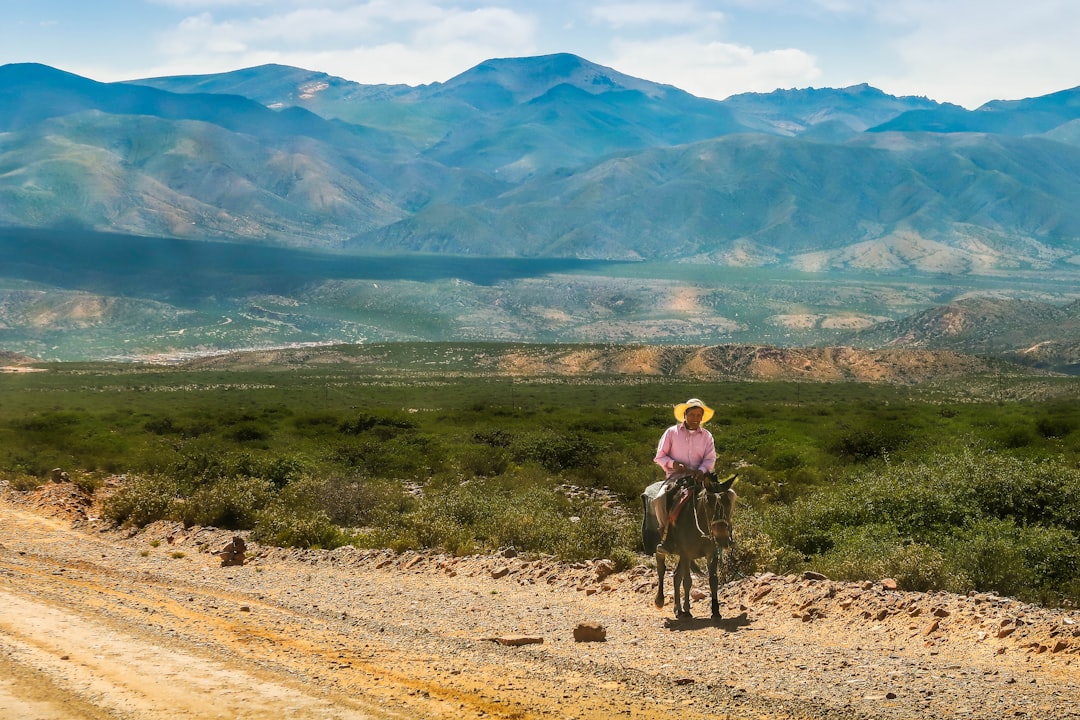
{"x":409,"y":455}
{"x":365,"y":423}
{"x":142,"y":500}
{"x":624,"y":477}
{"x":1014,"y":437}
{"x":988,"y":554}
{"x":870,"y":441}
{"x":753,"y":550}
{"x":231,"y":502}
{"x":282,"y":470}
{"x":595,"y":533}
{"x":483,"y":461}
{"x":349,"y":502}
{"x":556,"y":451}
{"x":872,"y":552}
{"x":285,"y":527}
{"x":249,"y":434}
{"x":161,"y":426}
{"x":1027,"y":491}
{"x":495,"y":438}
{"x":25,"y":483}
{"x":1049,"y":426}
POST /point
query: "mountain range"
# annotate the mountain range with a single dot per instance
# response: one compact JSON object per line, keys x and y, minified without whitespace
{"x":551,"y":156}
{"x":899,"y":205}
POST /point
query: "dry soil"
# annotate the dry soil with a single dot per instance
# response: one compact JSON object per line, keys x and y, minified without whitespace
{"x":97,"y":622}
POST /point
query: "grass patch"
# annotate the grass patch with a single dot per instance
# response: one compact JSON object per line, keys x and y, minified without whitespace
{"x":936,"y":486}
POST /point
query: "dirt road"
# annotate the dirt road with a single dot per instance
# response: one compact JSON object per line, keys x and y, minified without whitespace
{"x":98,"y":623}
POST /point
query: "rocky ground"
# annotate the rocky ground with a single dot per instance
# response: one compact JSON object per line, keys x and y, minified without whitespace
{"x":104,"y":623}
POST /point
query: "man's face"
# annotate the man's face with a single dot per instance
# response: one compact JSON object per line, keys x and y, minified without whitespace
{"x":693,"y":417}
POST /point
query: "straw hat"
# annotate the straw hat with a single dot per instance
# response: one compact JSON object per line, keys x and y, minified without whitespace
{"x":681,"y":408}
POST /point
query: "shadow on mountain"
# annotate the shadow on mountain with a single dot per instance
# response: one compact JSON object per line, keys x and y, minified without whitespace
{"x":190,"y":271}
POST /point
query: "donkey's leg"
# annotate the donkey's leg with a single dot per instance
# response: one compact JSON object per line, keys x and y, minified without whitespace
{"x":661,"y":570}
{"x":682,"y":581}
{"x":714,"y":583}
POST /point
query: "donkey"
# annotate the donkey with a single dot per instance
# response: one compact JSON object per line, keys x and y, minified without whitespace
{"x":701,"y":530}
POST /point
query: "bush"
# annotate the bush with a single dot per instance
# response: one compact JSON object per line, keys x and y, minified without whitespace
{"x":249,"y":433}
{"x":365,"y":423}
{"x":409,"y":455}
{"x":1026,"y":491}
{"x":878,"y":551}
{"x":483,"y":461}
{"x":988,"y":555}
{"x":596,"y":533}
{"x":142,"y":500}
{"x":1053,"y":426}
{"x":625,"y":478}
{"x":556,"y":452}
{"x":753,"y":550}
{"x":867,"y":442}
{"x":232,"y":502}
{"x":26,"y":483}
{"x":349,"y":501}
{"x":284,"y":527}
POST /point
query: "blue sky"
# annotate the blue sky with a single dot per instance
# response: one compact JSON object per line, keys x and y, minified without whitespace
{"x":961,"y":51}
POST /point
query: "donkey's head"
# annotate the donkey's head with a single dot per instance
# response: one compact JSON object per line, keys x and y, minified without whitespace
{"x":719,"y":500}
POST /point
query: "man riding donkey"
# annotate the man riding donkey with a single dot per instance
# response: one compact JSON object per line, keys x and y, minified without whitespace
{"x":685,"y":450}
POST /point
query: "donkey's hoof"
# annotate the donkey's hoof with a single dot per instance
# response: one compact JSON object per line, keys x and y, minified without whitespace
{"x":658,"y":601}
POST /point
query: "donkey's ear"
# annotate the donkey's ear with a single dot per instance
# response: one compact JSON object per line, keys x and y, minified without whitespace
{"x":728,"y":482}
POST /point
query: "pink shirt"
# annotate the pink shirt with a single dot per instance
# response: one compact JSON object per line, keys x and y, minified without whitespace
{"x":695,"y":450}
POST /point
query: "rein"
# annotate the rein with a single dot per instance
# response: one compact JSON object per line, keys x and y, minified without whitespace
{"x":710,"y":499}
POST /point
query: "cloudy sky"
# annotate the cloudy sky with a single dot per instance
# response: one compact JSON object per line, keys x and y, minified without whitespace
{"x":960,"y":51}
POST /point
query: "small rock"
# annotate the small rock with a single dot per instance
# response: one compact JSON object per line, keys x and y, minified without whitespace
{"x":518,"y":640}
{"x":233,"y":553}
{"x":590,"y":632}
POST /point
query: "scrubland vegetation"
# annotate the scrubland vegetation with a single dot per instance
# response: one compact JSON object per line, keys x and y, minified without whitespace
{"x":944,"y":488}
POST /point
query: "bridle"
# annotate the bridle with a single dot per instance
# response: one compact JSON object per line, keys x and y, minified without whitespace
{"x":713,"y":512}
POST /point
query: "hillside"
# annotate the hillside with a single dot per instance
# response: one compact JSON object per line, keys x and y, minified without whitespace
{"x":708,"y":363}
{"x":1033,"y":333}
{"x":77,"y":295}
{"x":550,"y":156}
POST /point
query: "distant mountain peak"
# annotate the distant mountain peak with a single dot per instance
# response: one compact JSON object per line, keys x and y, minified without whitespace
{"x":525,"y":78}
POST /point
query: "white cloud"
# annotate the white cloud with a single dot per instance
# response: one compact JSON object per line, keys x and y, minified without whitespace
{"x":972,"y":52}
{"x":650,"y":14}
{"x":375,"y":42}
{"x":484,"y":27}
{"x":714,"y":69}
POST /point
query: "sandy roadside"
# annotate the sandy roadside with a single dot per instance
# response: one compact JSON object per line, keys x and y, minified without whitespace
{"x":98,"y":623}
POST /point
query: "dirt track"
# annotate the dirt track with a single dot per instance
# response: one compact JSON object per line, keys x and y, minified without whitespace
{"x":99,"y":623}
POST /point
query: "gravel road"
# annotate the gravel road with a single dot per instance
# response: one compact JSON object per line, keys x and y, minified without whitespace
{"x":103,"y":623}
